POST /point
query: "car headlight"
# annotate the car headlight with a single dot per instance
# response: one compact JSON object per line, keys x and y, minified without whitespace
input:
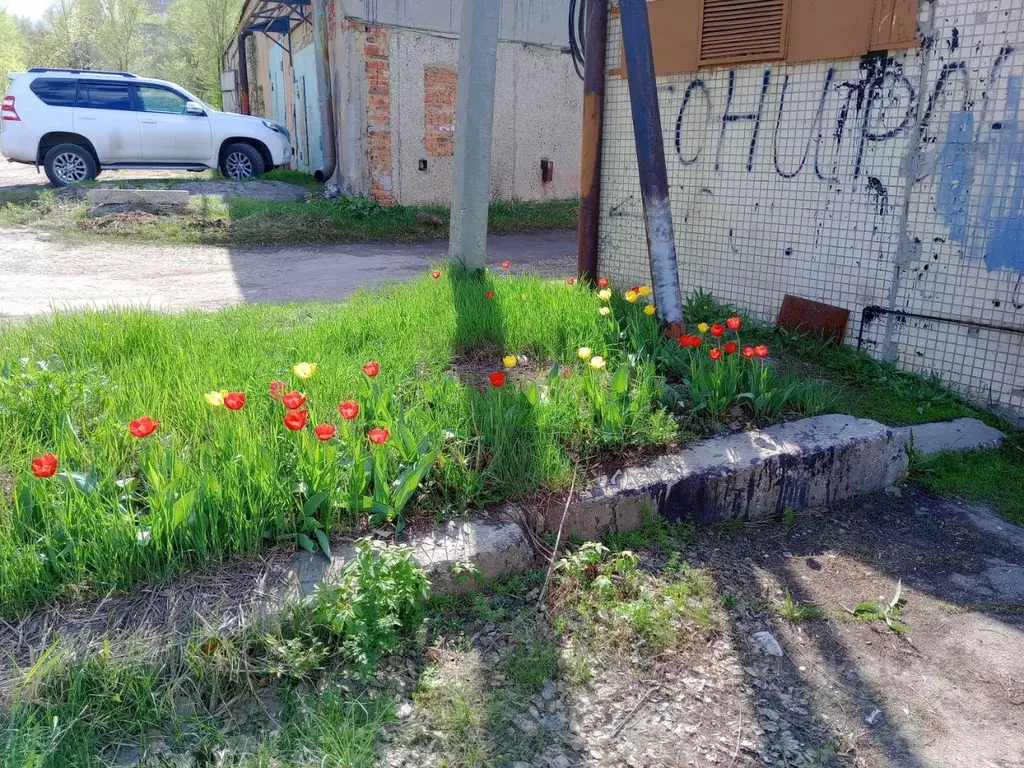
{"x":277,"y":129}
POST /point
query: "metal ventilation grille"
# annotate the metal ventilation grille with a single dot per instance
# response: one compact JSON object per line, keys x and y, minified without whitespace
{"x":741,"y":30}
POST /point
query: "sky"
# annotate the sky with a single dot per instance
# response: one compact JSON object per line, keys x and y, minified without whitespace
{"x":32,"y":9}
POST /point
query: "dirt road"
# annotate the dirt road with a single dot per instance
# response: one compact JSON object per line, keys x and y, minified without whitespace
{"x":39,"y":273}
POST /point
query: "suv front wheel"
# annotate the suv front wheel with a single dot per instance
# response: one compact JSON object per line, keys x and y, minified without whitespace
{"x":241,"y":161}
{"x":69,"y":163}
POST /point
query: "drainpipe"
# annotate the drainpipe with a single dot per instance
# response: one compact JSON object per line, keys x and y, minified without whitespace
{"x":590,"y":165}
{"x":650,"y":155}
{"x":243,"y":75}
{"x":321,"y":38}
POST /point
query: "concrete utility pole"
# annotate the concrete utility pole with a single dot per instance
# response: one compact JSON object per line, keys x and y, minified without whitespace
{"x":474,"y":119}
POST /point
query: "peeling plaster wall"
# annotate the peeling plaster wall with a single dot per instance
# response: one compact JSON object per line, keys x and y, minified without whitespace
{"x":537,"y":115}
{"x":895,"y":180}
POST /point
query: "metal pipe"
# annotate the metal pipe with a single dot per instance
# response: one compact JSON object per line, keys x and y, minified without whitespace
{"x":243,"y":75}
{"x":590,"y":162}
{"x":872,"y":312}
{"x":328,"y":135}
{"x":650,"y":155}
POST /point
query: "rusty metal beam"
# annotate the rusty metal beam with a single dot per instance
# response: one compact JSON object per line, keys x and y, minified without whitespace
{"x":590,"y":162}
{"x":243,"y":75}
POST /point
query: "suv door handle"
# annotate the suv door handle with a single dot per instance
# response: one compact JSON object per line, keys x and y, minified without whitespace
{"x":87,"y":118}
{"x":148,"y":122}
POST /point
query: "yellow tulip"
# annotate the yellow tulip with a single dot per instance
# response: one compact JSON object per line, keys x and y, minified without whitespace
{"x":632,"y":296}
{"x":597,"y":362}
{"x":604,"y":294}
{"x":703,"y":327}
{"x":584,"y":353}
{"x":214,"y":399}
{"x":509,"y":361}
{"x":604,"y":311}
{"x":649,"y":309}
{"x":304,"y":370}
{"x":645,"y":290}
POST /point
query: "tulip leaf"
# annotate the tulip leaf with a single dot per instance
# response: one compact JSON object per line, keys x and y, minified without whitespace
{"x":312,"y":505}
{"x":620,"y":383}
{"x":85,"y":482}
{"x":325,"y":543}
{"x":533,"y":394}
{"x":307,"y":543}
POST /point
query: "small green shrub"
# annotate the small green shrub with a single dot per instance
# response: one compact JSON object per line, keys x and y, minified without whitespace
{"x":379,"y":597}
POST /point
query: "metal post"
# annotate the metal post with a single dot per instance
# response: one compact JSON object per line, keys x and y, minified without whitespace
{"x":324,"y":91}
{"x":474,"y":118}
{"x":243,"y":75}
{"x":650,"y":155}
{"x":590,"y":162}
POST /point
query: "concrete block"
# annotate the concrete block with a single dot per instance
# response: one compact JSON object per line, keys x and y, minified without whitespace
{"x":958,"y":435}
{"x":806,"y":463}
{"x":150,"y":200}
{"x":496,"y":548}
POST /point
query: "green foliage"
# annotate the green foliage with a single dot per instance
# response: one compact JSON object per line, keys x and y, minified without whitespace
{"x":622,"y":606}
{"x":213,"y":484}
{"x":12,"y":48}
{"x":890,"y":612}
{"x":794,"y":611}
{"x":196,"y":34}
{"x":379,"y":598}
{"x":702,"y":307}
{"x":529,"y":665}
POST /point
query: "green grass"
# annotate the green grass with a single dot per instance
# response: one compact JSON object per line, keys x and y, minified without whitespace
{"x":995,"y":477}
{"x":794,"y":611}
{"x":242,"y":221}
{"x":529,"y":665}
{"x":213,"y":484}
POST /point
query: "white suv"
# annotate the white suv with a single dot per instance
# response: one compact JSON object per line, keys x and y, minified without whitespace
{"x":76,"y":123}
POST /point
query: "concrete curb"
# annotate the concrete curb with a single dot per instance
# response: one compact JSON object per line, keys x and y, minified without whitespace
{"x":801,"y":464}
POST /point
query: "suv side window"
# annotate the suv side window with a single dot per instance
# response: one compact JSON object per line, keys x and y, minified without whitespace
{"x":55,"y":92}
{"x":153,"y":99}
{"x":93,"y":95}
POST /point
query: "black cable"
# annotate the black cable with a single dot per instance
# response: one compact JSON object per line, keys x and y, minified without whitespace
{"x":578,"y":34}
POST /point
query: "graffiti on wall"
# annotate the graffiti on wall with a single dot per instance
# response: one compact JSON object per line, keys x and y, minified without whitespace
{"x":980,"y":185}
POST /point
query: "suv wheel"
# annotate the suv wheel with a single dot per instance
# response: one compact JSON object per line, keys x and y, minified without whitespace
{"x":69,"y":163}
{"x":242,"y":161}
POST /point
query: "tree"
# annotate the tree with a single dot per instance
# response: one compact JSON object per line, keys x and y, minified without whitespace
{"x":198,"y":32}
{"x":119,"y":32}
{"x":12,"y":48}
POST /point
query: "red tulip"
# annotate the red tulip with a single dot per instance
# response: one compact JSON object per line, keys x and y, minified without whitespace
{"x":696,"y":341}
{"x":44,"y":466}
{"x":635,"y":289}
{"x":143,"y":427}
{"x":293,"y":400}
{"x":276,"y":389}
{"x":761,"y":351}
{"x":349,"y":410}
{"x":489,"y":295}
{"x":497,"y":379}
{"x":717,"y":329}
{"x":602,"y":282}
{"x":716,"y":353}
{"x":234,"y":401}
{"x":731,"y":347}
{"x":378,"y":436}
{"x":571,"y":281}
{"x":506,"y":264}
{"x":733,"y":323}
{"x":324,"y":432}
{"x":748,"y":352}
{"x":435,"y":274}
{"x":371,"y":369}
{"x":296,"y":420}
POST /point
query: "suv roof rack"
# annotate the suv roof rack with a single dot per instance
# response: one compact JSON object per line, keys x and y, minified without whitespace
{"x":83,"y":71}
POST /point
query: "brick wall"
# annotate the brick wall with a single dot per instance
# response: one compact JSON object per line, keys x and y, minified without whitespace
{"x":378,"y":112}
{"x":439,"y":88}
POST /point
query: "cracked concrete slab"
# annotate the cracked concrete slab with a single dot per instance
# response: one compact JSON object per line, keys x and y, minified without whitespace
{"x":957,"y":435}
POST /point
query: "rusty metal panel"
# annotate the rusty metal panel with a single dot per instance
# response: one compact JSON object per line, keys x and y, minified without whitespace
{"x":813,"y":317}
{"x":895,"y":24}
{"x":742,"y":31}
{"x":829,"y":29}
